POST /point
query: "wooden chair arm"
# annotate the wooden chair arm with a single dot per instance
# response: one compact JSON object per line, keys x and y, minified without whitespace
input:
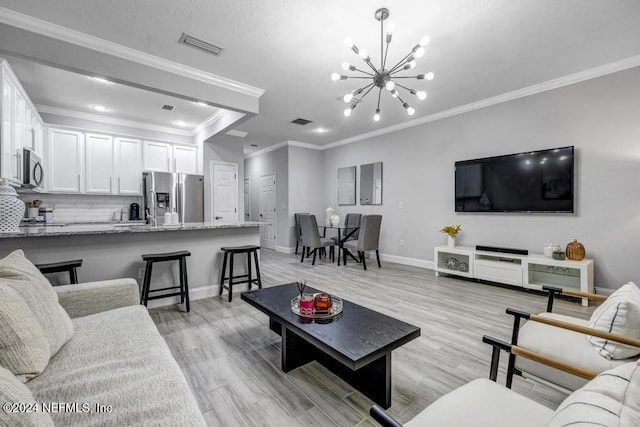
{"x":554,"y":363}
{"x":569,"y":292}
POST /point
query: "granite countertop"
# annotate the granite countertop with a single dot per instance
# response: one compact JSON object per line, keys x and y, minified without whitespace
{"x":119,"y":228}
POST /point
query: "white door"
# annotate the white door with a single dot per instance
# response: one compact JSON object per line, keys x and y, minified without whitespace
{"x":224,"y":186}
{"x":185,"y":159}
{"x":247,"y":199}
{"x":158,"y":156}
{"x":129,"y":166}
{"x":99,"y":165}
{"x":65,"y":161}
{"x":268,"y":211}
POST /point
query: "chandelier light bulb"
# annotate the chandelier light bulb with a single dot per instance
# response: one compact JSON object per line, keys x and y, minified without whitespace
{"x":394,"y":93}
{"x":363,"y":54}
{"x":422,"y":95}
{"x":347,"y":112}
{"x":347,"y":98}
{"x":419,"y":52}
{"x":390,"y":86}
{"x":411,"y":111}
{"x":412,"y":63}
{"x":391,"y":27}
{"x":425,"y":41}
{"x":348,"y":42}
{"x":429,"y":76}
{"x":335,"y":77}
{"x":345,"y":66}
{"x":376,"y":116}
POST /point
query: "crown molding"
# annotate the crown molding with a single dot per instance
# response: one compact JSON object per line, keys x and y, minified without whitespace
{"x":592,"y":73}
{"x":208,"y":121}
{"x":111,"y":120}
{"x":238,"y":133}
{"x":305,"y":145}
{"x":267,"y":149}
{"x":49,"y":29}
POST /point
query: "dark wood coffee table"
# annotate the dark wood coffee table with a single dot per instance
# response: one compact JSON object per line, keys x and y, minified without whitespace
{"x":356,"y":345}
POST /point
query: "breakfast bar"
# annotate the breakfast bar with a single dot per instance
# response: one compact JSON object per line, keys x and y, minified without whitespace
{"x":111,"y":251}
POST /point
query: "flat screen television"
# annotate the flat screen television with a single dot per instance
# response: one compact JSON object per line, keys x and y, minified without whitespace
{"x":534,"y":181}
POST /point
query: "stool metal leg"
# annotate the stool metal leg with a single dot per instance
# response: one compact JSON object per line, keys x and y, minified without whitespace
{"x":183,"y":264}
{"x":181,"y":274}
{"x":249,"y":281}
{"x":147,"y":281}
{"x":222,"y":273}
{"x":73,"y":276}
{"x":255,"y":257}
{"x":230,"y":276}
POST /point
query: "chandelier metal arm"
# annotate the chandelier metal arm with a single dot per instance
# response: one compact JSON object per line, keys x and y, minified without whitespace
{"x":368,"y":62}
{"x":364,"y":72}
{"x":401,"y":62}
{"x":370,"y":87}
{"x":405,"y":77}
{"x":379,"y":95}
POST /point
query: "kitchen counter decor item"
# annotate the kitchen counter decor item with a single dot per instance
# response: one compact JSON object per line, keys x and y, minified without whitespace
{"x":310,"y":302}
{"x":575,"y":251}
{"x":451,"y":231}
{"x":11,"y":208}
{"x":559,"y":255}
{"x":550,"y":248}
{"x":328,"y":214}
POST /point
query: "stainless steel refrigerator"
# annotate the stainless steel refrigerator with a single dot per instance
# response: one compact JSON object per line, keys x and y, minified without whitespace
{"x":173,"y":192}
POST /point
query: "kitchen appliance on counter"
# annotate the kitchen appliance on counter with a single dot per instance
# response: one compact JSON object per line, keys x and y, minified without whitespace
{"x":134,"y":212}
{"x":32,"y":170}
{"x":173,"y":192}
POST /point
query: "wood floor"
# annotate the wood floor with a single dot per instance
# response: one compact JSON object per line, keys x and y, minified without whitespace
{"x":232,"y":360}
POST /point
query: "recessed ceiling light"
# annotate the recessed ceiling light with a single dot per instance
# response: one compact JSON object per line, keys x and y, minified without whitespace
{"x":321,"y":130}
{"x":180,"y":123}
{"x":202,"y":104}
{"x":100,"y":108}
{"x":101,"y":80}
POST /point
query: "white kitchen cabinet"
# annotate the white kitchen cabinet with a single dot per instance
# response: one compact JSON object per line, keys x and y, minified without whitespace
{"x":185,"y":159}
{"x":7,"y":161}
{"x":158,"y":156}
{"x":129,"y":166}
{"x":99,"y":170}
{"x":65,"y":161}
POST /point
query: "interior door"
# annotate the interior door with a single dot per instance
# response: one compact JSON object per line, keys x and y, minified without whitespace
{"x":247,"y":199}
{"x":225,"y":191}
{"x":268,"y":211}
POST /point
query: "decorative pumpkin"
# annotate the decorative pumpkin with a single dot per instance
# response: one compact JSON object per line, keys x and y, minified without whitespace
{"x":575,"y":251}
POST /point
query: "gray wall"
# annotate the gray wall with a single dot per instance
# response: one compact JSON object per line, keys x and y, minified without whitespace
{"x":306,"y":187}
{"x":599,"y":117}
{"x":227,"y":149}
{"x":274,"y":161}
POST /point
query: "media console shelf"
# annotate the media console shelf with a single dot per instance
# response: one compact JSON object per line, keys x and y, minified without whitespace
{"x":529,"y":271}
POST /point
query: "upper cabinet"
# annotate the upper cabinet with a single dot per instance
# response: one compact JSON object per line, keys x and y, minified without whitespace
{"x":163,"y":157}
{"x":129,"y":166}
{"x":21,"y":125}
{"x":100,"y":167}
{"x":65,"y":161}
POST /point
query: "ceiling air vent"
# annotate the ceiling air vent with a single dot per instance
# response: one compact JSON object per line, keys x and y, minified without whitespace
{"x":301,"y":122}
{"x":168,"y":107}
{"x":201,"y":44}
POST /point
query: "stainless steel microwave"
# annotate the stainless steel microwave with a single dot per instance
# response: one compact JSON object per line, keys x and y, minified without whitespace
{"x":32,"y":171}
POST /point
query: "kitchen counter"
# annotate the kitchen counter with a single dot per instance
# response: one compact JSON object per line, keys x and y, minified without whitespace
{"x":114,"y":250}
{"x":117,"y":228}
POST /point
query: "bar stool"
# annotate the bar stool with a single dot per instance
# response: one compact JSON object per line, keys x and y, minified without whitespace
{"x":61,"y":267}
{"x":150,"y":259}
{"x":233,"y":250}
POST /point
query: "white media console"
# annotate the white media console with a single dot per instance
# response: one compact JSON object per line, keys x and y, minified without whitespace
{"x":529,"y":271}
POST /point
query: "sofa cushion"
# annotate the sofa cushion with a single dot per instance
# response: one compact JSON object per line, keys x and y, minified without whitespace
{"x":24,"y":349}
{"x":19,"y":273}
{"x":14,"y":393}
{"x":482,"y":403}
{"x":118,"y":358}
{"x":561,"y":344}
{"x":610,"y":399}
{"x":619,"y":314}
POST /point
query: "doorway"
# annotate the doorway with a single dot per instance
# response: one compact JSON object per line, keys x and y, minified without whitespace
{"x":247,"y":199}
{"x":268,"y":211}
{"x":224,"y":192}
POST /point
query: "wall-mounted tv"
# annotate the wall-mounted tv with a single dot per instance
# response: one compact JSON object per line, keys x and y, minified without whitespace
{"x":534,"y":181}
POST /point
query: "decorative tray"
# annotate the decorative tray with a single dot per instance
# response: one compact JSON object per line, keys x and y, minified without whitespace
{"x":336,"y":308}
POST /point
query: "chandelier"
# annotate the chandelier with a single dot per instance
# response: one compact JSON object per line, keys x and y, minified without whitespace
{"x":383,"y":78}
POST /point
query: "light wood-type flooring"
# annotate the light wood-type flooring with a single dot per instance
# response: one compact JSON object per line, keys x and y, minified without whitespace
{"x":232,"y":360}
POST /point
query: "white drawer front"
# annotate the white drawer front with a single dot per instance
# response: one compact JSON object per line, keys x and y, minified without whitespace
{"x":499,"y":271}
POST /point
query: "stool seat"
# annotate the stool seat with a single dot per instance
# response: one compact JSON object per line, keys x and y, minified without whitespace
{"x":229,"y":252}
{"x":60,"y":267}
{"x":183,"y":293}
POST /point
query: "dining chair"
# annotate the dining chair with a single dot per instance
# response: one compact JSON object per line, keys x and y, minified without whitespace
{"x":351,"y":221}
{"x":311,"y":239}
{"x":297,"y":231}
{"x":368,"y":239}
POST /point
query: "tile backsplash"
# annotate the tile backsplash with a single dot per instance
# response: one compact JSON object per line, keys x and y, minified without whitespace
{"x":83,"y":207}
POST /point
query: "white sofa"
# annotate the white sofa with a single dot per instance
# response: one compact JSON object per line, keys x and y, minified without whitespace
{"x":114,"y":369}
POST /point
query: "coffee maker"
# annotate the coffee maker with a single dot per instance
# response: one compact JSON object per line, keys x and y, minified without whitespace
{"x":134,"y":212}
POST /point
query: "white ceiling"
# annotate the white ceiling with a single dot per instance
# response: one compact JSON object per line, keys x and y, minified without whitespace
{"x":479,"y":49}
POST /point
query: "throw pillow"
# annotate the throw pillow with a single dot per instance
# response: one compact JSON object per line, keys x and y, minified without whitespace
{"x":20,"y":274}
{"x":610,"y":399}
{"x":14,"y":393}
{"x":24,"y":349}
{"x":619,"y":314}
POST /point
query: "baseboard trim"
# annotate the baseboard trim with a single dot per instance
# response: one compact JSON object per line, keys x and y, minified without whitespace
{"x":604,"y":291}
{"x":414,"y":262}
{"x":285,"y":249}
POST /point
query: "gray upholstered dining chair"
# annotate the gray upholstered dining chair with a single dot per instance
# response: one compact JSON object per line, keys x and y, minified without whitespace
{"x":368,"y":239}
{"x":297,"y":230}
{"x":311,"y":238}
{"x":351,"y":221}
